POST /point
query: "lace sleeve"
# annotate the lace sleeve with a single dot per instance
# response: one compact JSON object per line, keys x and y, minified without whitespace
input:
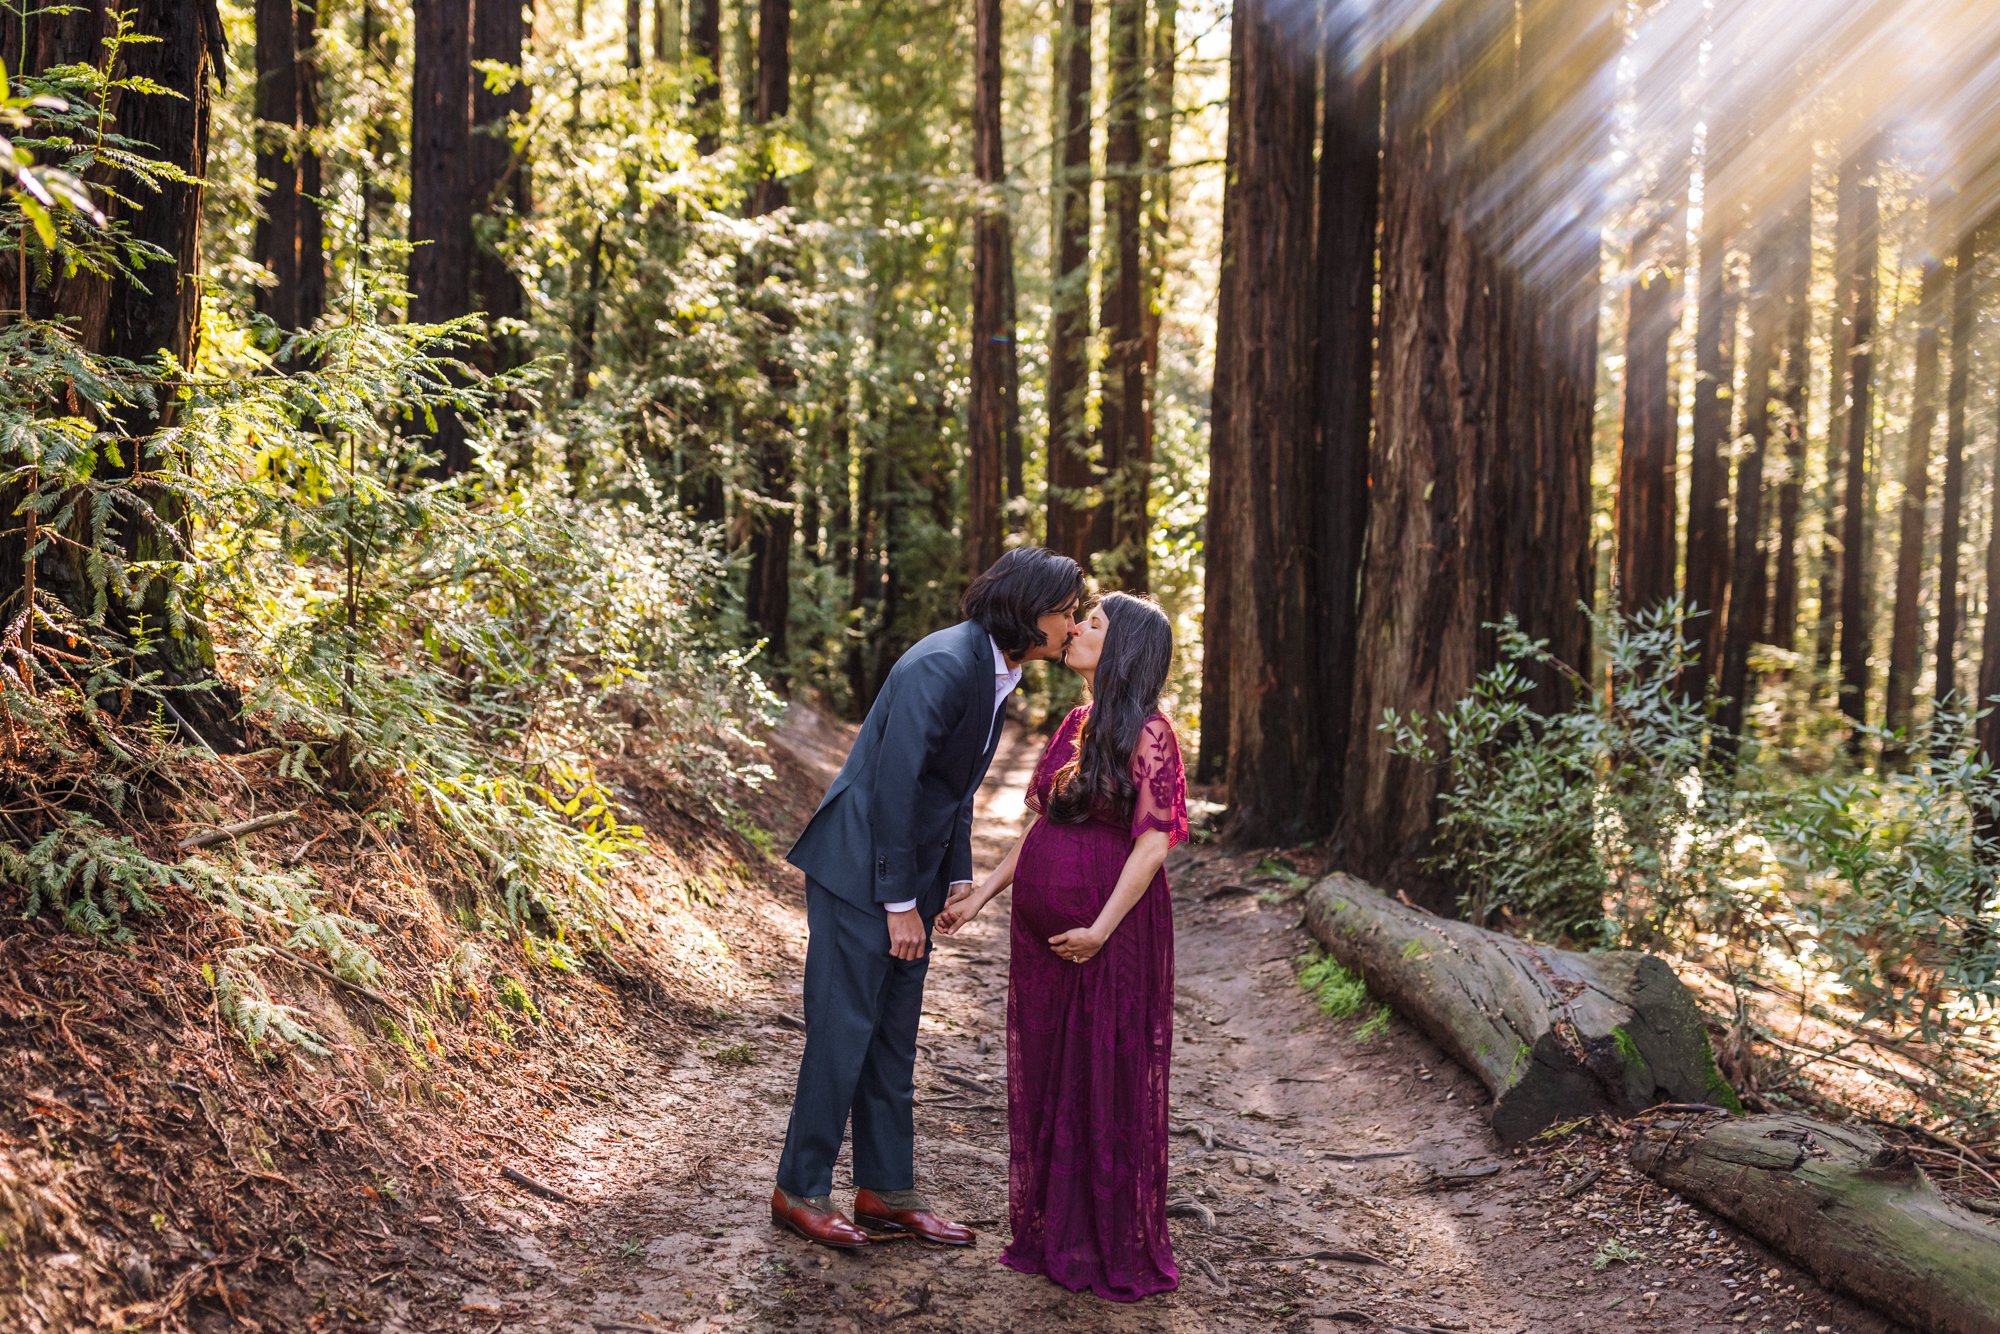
{"x":1156,"y":769}
{"x":1053,"y":758}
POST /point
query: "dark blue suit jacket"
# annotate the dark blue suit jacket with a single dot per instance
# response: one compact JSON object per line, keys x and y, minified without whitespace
{"x":900,"y":810}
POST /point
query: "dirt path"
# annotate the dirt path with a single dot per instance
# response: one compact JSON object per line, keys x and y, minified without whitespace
{"x":1325,"y":1141}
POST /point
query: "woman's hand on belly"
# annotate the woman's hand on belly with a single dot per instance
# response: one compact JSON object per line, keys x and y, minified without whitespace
{"x":1079,"y":944}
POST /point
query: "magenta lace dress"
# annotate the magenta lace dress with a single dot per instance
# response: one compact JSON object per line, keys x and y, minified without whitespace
{"x":1088,"y":1044}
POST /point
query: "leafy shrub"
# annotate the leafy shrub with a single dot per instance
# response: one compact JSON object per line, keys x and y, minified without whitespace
{"x":1598,"y":822}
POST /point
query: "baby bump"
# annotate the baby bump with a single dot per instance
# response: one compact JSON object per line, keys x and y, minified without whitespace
{"x":1065,"y":874}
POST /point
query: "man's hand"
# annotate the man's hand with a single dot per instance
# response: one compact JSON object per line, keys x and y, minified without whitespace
{"x":906,"y":935}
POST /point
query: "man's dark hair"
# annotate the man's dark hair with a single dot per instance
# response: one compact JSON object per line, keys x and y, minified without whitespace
{"x":1019,"y":589}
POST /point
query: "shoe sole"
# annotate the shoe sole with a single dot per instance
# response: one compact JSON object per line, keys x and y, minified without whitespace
{"x":869,"y":1223}
{"x":790,"y":1226}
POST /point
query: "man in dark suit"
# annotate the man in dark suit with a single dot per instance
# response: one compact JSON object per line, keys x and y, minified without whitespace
{"x":892,"y":836}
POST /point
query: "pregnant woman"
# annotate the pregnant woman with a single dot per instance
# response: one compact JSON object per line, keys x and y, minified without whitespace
{"x":1090,"y":995}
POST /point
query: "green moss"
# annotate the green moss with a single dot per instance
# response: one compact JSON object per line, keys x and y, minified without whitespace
{"x":1375,"y":1027}
{"x":1337,"y":990}
{"x":1413,"y":949}
{"x":514,"y":995}
{"x":1628,"y":1050}
{"x":1719,"y":1091}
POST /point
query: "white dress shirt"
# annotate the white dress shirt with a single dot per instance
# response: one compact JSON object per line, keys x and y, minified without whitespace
{"x":1005,"y":678}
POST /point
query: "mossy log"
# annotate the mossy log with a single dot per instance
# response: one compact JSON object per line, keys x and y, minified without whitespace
{"x":1552,"y":1034}
{"x":1855,"y":1212}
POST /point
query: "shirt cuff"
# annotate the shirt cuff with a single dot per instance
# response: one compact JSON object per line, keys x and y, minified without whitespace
{"x":907,"y":905}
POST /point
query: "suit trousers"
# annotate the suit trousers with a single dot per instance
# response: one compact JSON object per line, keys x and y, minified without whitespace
{"x":861,"y":1010}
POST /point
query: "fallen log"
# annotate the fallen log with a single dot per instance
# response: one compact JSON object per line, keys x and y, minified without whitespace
{"x":1854,"y":1211}
{"x":1553,"y":1034}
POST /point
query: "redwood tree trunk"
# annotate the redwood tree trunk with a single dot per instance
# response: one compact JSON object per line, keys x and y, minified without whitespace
{"x":1212,"y":761}
{"x":440,"y":194}
{"x":1784,"y":599}
{"x":1120,"y":526}
{"x":276,"y":244}
{"x":1159,"y":205}
{"x":1916,"y":494}
{"x":1854,"y":562}
{"x":1767,"y":265}
{"x":994,"y":417}
{"x":705,"y":45}
{"x":498,"y":183}
{"x":1070,"y":475}
{"x":1479,"y":503}
{"x":1845,"y":240}
{"x":770,"y":591}
{"x":1706,"y":589}
{"x":1276,"y":766}
{"x":156,"y":310}
{"x":1951,"y":527}
{"x":1344,"y":370}
{"x":1647,"y":510}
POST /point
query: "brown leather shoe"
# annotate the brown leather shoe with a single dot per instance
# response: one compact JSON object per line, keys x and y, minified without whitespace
{"x":872,"y":1212}
{"x":828,"y":1227}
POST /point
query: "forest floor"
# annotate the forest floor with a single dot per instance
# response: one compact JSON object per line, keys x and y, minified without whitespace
{"x":1324,"y":1138}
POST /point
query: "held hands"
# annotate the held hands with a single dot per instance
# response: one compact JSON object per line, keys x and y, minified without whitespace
{"x":906,"y":935}
{"x":963,"y":905}
{"x":1079,"y":945}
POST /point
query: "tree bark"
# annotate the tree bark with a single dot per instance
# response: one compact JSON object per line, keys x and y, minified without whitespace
{"x":1070,"y":475}
{"x":1845,"y":241}
{"x":1553,"y":1034}
{"x":1897,"y":707}
{"x":705,"y":45}
{"x":769,"y":601}
{"x":1855,"y":612}
{"x":499,"y":184}
{"x":1344,"y":373}
{"x":1276,"y":767}
{"x":137,"y":317}
{"x":1951,"y":531}
{"x":666,"y":31}
{"x":1784,"y":599}
{"x":1479,"y":500}
{"x":1856,"y":1213}
{"x":1157,"y":234}
{"x":1212,"y":761}
{"x":440,"y":195}
{"x":993,"y":442}
{"x":276,"y":243}
{"x":1706,"y":588}
{"x":1648,"y":457}
{"x":1119,"y":527}
{"x":1767,"y":271}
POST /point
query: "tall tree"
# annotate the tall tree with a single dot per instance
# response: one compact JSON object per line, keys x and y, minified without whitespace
{"x":290,"y":235}
{"x":1855,"y":504}
{"x":768,"y":603}
{"x":1479,"y":501}
{"x":1275,"y":766}
{"x":1916,"y":494}
{"x":1706,"y":587}
{"x":1784,"y":598}
{"x":993,"y":437}
{"x":1158,"y":234}
{"x":705,"y":45}
{"x":1344,"y":370}
{"x":1218,"y":556}
{"x":1951,"y":524}
{"x":164,"y":102}
{"x":1119,"y":525}
{"x":440,"y":200}
{"x":666,"y":31}
{"x":499,"y":182}
{"x":1070,"y":474}
{"x":1768,"y":265}
{"x":1845,"y":241}
{"x":1647,"y":458}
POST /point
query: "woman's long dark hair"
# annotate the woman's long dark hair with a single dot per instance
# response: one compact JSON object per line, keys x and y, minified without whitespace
{"x":1131,"y":671}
